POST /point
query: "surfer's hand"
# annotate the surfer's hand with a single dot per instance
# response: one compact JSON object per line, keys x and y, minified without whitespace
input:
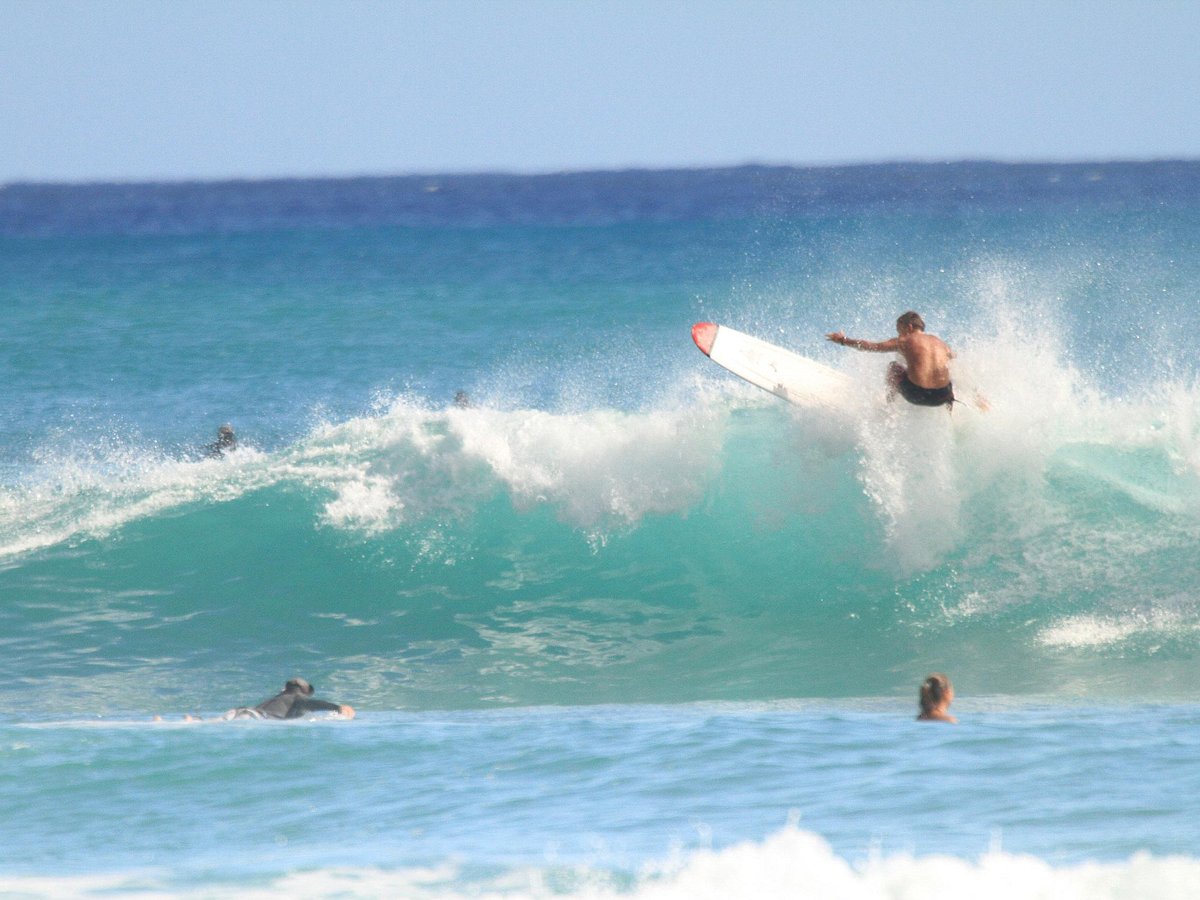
{"x":347,"y":711}
{"x":837,"y":337}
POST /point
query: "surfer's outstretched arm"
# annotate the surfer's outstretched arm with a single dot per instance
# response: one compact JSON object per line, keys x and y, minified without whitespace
{"x":892,"y":345}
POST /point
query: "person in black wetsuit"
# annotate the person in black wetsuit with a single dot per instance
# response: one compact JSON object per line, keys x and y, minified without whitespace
{"x":225,"y":442}
{"x":292,"y":702}
{"x":924,"y":379}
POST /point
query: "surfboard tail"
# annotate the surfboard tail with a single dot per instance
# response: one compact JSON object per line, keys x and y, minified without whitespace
{"x":704,"y":333}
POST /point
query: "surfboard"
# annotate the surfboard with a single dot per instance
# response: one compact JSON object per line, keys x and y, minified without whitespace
{"x":795,"y":378}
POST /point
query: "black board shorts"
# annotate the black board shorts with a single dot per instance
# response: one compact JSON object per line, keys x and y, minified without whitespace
{"x":919,"y":396}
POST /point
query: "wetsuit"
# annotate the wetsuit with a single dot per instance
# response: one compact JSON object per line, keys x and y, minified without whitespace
{"x":219,"y":447}
{"x":919,"y":396}
{"x":284,"y":705}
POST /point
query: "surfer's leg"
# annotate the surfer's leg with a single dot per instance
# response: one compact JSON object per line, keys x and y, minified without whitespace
{"x":896,"y":373}
{"x":242,"y":712}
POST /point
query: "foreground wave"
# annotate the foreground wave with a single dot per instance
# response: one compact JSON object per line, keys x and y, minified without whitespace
{"x":791,"y":863}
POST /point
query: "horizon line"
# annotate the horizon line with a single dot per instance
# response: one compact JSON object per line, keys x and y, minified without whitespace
{"x":501,"y":172}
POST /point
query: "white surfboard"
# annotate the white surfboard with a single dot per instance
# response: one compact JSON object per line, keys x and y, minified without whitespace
{"x":785,"y":374}
{"x":795,"y":378}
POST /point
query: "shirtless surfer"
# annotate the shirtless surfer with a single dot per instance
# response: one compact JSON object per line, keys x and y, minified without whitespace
{"x":924,"y":380}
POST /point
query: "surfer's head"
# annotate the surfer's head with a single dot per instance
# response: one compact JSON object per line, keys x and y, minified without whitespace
{"x":298,"y":686}
{"x":936,"y":691}
{"x":909,"y":321}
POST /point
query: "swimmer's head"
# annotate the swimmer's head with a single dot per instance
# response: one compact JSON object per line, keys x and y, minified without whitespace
{"x":909,"y":321}
{"x":935,"y":690}
{"x":298,"y":686}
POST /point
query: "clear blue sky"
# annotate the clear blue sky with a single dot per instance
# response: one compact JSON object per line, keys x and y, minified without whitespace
{"x":170,"y":89}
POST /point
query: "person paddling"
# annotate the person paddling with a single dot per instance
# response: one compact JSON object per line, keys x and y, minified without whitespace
{"x":292,"y":702}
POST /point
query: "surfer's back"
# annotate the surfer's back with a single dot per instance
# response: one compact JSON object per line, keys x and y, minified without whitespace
{"x":927,"y":359}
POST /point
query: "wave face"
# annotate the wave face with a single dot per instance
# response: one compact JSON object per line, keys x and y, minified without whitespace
{"x":612,"y":518}
{"x":726,"y":547}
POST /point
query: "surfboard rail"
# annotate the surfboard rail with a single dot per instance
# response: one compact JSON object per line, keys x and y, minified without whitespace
{"x":786,"y":374}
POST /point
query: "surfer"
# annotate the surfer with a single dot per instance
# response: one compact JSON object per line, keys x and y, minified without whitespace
{"x":292,"y":702}
{"x":924,"y":380}
{"x":226,"y":441}
{"x":937,"y":693}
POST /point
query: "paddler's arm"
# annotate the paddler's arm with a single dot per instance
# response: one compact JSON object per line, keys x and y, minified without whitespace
{"x":315,"y":705}
{"x":889,"y":346}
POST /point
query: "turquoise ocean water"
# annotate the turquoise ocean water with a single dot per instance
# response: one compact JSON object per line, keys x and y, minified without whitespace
{"x":623,"y":625}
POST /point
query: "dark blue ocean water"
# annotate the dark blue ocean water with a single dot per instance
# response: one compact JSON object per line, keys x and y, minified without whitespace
{"x":622,"y":623}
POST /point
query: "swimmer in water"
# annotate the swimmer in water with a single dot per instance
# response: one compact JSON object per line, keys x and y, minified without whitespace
{"x":937,"y":693}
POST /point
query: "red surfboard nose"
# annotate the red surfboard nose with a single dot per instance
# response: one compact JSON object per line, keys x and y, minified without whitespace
{"x":704,"y":333}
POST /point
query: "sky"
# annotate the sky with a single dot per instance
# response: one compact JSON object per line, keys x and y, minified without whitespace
{"x":133,"y":90}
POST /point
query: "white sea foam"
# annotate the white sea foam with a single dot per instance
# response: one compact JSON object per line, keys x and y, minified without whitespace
{"x":599,"y":466}
{"x":792,"y":863}
{"x":598,"y":470}
{"x":1099,"y":630}
{"x":75,"y":494}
